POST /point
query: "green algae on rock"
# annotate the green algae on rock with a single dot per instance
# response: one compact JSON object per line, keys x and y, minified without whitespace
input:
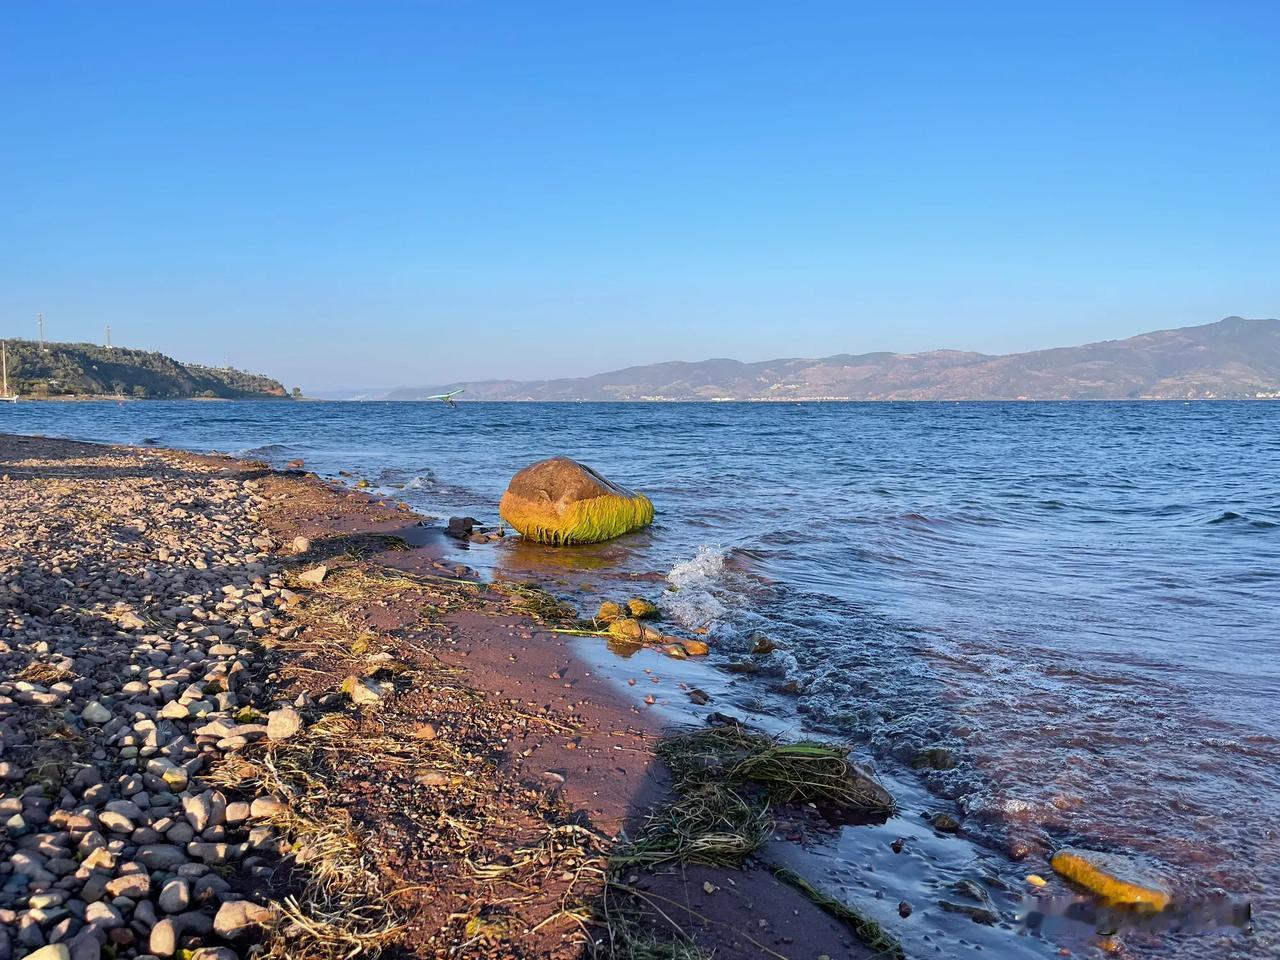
{"x":561,"y":501}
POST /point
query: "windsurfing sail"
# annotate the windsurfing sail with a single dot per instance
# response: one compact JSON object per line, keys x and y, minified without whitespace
{"x":447,"y":398}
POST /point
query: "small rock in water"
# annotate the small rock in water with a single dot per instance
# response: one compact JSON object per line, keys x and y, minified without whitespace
{"x":627,"y":628}
{"x":461,"y":526}
{"x":642,"y":609}
{"x":944,"y":822}
{"x":762,"y":645}
{"x":609,"y":612}
{"x":983,"y":915}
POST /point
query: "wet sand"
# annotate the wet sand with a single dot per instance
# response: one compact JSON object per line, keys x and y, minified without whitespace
{"x":211,"y":745}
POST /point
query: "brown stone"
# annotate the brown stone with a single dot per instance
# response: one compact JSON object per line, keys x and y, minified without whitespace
{"x":562,"y":501}
{"x":425,"y":731}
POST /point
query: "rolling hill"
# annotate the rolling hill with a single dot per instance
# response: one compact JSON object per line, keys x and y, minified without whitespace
{"x":1233,"y":358}
{"x":86,"y":369}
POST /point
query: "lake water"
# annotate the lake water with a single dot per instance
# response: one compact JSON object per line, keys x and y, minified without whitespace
{"x":1075,"y":607}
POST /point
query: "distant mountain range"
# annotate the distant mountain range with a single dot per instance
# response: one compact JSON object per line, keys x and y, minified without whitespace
{"x":87,"y":369}
{"x":1233,"y":358}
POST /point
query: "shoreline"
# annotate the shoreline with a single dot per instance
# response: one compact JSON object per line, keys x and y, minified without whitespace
{"x":186,"y":770}
{"x":473,"y":770}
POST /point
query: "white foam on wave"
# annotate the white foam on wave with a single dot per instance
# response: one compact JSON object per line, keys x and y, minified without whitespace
{"x":692,"y":602}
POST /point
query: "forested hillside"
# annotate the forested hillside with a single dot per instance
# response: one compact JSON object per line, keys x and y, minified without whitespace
{"x":86,"y":369}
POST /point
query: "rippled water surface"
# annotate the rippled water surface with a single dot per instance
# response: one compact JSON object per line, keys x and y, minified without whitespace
{"x":1074,"y":608}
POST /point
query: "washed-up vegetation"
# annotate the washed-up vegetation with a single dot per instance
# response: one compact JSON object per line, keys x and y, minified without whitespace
{"x":727,"y":780}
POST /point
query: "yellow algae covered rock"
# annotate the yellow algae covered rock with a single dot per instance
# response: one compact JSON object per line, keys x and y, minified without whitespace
{"x":1114,"y":877}
{"x":642,"y":609}
{"x":562,"y":501}
{"x":627,"y":629}
{"x":609,"y":612}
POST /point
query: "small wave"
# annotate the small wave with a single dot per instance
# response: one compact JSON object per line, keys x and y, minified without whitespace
{"x":422,"y":483}
{"x":267,"y":451}
{"x":1242,"y":520}
{"x":1227,"y":516}
{"x":424,"y":486}
{"x":706,"y":568}
{"x":691,"y":602}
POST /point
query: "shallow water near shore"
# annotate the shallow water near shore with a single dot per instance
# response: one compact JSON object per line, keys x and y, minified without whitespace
{"x":1069,"y":607}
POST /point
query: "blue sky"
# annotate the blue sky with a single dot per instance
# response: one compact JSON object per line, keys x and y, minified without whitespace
{"x":381,"y":193}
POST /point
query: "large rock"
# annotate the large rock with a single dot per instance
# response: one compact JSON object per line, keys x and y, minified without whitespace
{"x":562,"y":501}
{"x":1114,"y":877}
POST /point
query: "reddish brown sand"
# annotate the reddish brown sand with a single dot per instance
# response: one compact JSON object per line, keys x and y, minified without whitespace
{"x":602,"y":768}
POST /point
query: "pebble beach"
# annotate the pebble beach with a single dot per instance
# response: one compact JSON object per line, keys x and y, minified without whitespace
{"x":135,"y":593}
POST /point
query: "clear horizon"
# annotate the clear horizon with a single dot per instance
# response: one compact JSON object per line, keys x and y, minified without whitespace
{"x":379,"y":195}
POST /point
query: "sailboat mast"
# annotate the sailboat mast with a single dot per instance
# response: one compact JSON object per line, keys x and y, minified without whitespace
{"x":4,"y":363}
